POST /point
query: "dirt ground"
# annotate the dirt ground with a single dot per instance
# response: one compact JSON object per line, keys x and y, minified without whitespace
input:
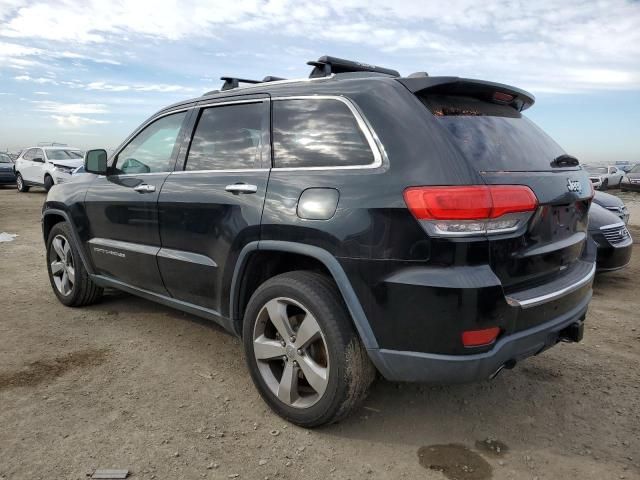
{"x":131,"y":384}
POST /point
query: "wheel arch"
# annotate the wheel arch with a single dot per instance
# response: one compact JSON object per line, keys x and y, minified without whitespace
{"x":315,"y":256}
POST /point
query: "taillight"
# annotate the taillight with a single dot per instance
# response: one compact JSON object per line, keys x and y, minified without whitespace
{"x":471,"y":210}
{"x":479,"y":338}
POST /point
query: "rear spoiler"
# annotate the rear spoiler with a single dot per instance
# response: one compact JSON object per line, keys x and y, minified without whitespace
{"x":490,"y":91}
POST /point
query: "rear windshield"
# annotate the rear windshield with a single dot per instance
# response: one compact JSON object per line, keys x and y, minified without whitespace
{"x":494,"y":137}
{"x":64,"y":154}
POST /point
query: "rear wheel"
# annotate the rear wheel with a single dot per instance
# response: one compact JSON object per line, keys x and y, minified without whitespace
{"x":69,"y":279}
{"x":20,"y":184}
{"x":303,"y":354}
{"x":48,"y":182}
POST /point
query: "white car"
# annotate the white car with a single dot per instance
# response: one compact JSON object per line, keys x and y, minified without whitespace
{"x":605,"y":177}
{"x":46,"y":166}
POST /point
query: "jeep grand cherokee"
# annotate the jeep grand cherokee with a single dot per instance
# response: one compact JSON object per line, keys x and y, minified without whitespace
{"x":352,"y":222}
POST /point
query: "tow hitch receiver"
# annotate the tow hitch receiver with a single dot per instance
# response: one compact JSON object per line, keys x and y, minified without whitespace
{"x":572,"y":333}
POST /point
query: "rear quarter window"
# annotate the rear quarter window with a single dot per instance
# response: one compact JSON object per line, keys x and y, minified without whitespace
{"x":316,"y":133}
{"x":493,"y":137}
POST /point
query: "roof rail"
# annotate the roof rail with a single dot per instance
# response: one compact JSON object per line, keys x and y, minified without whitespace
{"x":326,"y":65}
{"x":51,"y":144}
{"x":271,"y":78}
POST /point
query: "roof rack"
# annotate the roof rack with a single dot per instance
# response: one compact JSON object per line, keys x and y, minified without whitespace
{"x":234,"y":82}
{"x":326,"y":65}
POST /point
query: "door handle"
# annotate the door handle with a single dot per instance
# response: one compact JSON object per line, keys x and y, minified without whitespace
{"x":144,"y":188}
{"x":237,"y":188}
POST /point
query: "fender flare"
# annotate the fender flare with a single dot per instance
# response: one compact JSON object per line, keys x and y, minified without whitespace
{"x":328,"y":260}
{"x":76,"y":238}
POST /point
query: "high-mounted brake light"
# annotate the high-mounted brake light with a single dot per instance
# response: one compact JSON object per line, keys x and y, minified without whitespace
{"x":471,"y":210}
{"x":503,"y":97}
{"x":479,"y":338}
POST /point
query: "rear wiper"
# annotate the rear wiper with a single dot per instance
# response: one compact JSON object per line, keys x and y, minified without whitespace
{"x":565,"y":161}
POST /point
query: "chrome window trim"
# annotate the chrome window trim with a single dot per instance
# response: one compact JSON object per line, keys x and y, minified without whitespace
{"x":231,"y":170}
{"x":233,"y":102}
{"x":372,"y":138}
{"x":532,"y":302}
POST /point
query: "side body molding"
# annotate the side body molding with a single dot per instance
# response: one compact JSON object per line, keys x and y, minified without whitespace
{"x":328,"y":260}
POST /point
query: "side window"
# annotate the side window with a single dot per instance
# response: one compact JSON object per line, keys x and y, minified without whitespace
{"x":227,"y":137}
{"x":28,"y":155}
{"x":153,"y":148}
{"x":317,"y":133}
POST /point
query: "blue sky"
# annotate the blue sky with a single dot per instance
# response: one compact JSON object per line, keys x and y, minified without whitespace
{"x":88,"y":72}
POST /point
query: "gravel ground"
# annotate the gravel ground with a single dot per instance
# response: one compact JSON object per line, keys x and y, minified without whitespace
{"x":131,"y":384}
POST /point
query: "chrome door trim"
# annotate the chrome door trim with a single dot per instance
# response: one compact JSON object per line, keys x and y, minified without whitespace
{"x":184,"y":256}
{"x":120,"y":245}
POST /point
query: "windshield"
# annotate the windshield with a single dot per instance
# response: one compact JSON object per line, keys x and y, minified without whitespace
{"x":58,"y":154}
{"x":598,"y":170}
{"x":635,"y":169}
{"x":494,"y":137}
{"x":5,"y":158}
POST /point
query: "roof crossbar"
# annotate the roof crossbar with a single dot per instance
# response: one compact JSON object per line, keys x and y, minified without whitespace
{"x":234,"y":82}
{"x":326,"y":65}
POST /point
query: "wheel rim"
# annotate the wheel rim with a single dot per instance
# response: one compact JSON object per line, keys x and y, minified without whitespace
{"x":19,"y":180}
{"x":61,"y":262}
{"x":291,"y":352}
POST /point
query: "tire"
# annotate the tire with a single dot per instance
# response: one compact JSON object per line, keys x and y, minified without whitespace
{"x":48,"y":183}
{"x":345,"y":371}
{"x":20,"y":184}
{"x":63,"y":256}
{"x":605,"y":184}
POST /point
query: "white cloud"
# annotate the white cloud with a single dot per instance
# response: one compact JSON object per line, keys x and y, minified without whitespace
{"x":543,"y":43}
{"x":40,"y":80}
{"x":69,"y":108}
{"x":67,"y":121}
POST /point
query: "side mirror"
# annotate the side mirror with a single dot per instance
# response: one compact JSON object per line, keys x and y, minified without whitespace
{"x":38,"y":159}
{"x":95,"y":161}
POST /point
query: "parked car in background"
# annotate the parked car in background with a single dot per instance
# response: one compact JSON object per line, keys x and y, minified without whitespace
{"x":46,"y":166}
{"x":613,"y":204}
{"x":612,"y":238}
{"x":7,"y":174}
{"x":353,"y":221}
{"x":604,"y":177}
{"x":631,"y":181}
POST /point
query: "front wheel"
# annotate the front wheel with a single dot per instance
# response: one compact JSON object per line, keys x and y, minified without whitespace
{"x":48,"y":183}
{"x":302,"y":351}
{"x":605,"y":184}
{"x":20,"y":184}
{"x":69,"y":279}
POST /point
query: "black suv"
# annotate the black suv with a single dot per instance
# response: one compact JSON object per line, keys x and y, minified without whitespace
{"x":352,"y":222}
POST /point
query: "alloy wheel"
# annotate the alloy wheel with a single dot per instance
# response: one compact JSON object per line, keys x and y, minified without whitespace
{"x":61,"y":262}
{"x":291,"y":352}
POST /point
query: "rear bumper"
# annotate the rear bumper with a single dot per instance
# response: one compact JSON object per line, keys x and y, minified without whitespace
{"x":406,"y":366}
